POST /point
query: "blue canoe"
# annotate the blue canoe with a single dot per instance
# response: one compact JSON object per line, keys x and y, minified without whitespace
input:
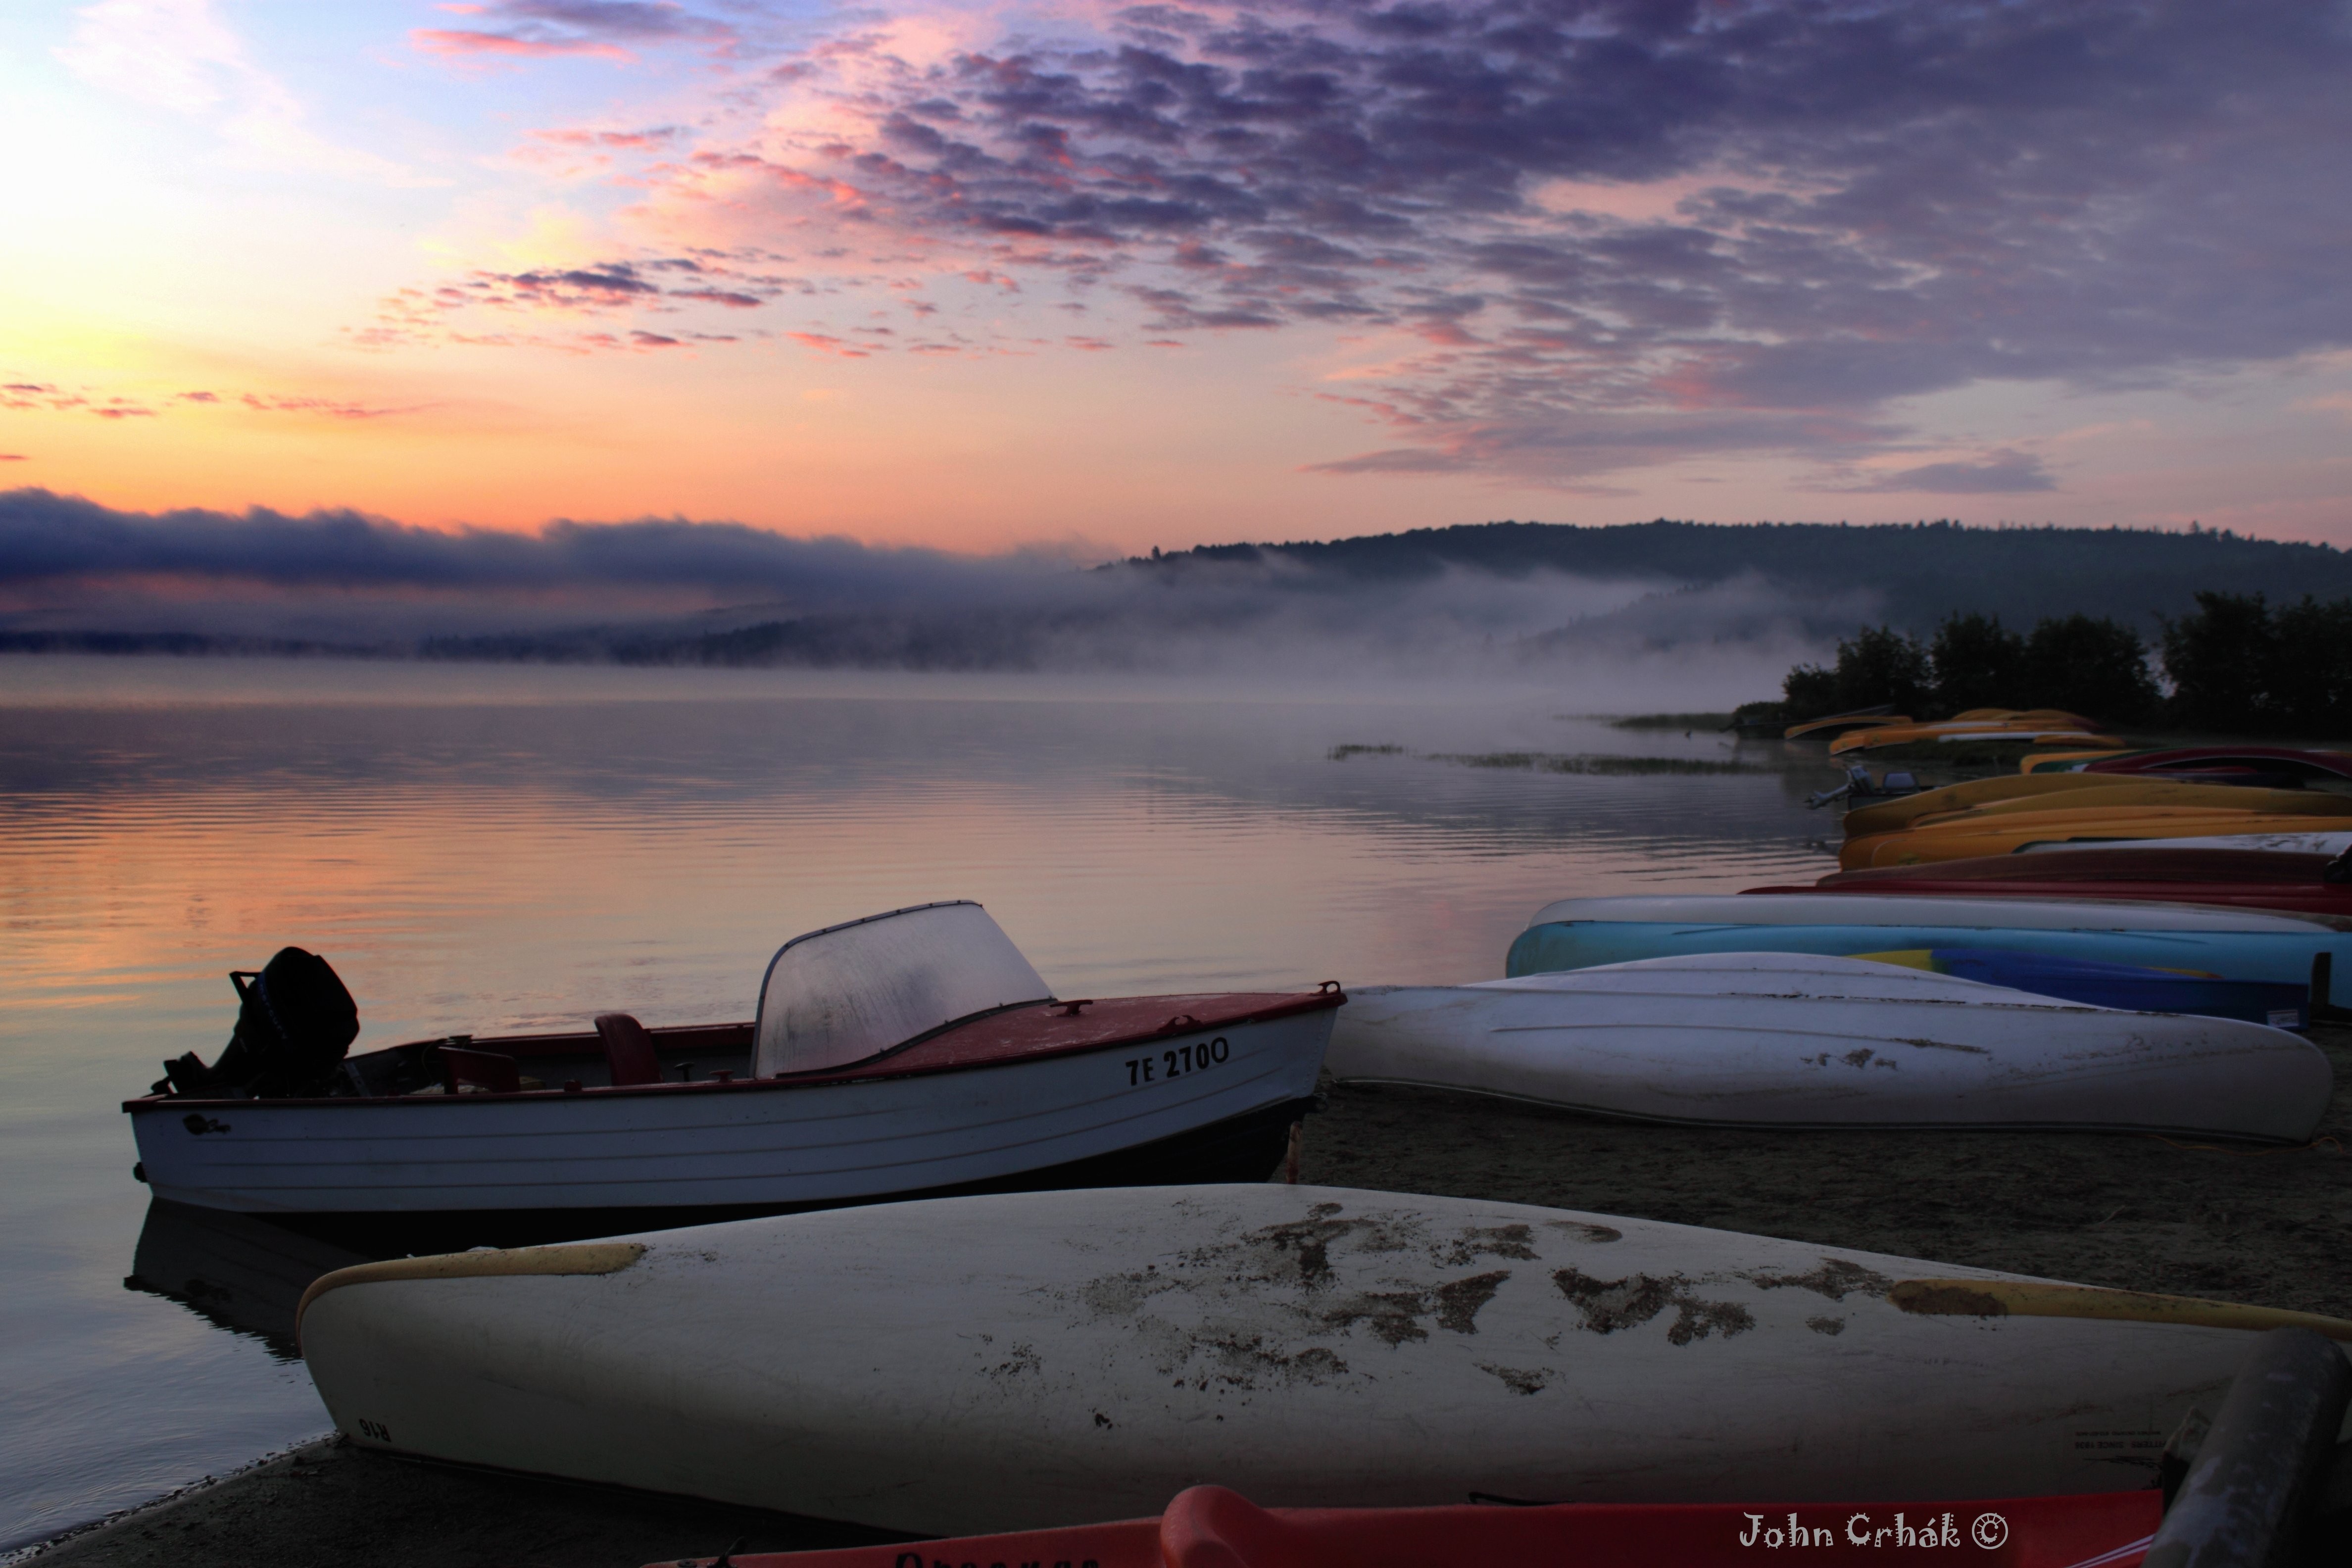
{"x":2230,"y":944}
{"x":2131,"y":987}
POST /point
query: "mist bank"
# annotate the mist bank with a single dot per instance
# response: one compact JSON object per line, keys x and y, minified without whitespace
{"x":1739,"y":603}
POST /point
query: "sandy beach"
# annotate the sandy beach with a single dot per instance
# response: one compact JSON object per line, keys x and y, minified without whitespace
{"x":2268,"y":1228}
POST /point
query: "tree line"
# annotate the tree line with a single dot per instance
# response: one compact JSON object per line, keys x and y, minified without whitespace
{"x":2235,"y":665}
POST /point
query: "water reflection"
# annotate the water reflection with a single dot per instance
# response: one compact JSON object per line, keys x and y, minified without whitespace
{"x":504,"y":862}
{"x":237,"y":1272}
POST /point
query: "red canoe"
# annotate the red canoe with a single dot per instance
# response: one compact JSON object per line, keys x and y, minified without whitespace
{"x":1209,"y":1527}
{"x":2286,"y":760}
{"x":2247,"y":878}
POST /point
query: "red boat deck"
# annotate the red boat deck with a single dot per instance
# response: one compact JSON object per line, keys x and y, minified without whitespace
{"x":1026,"y":1032}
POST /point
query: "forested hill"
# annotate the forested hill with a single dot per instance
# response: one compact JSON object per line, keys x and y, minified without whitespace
{"x":1919,"y":572}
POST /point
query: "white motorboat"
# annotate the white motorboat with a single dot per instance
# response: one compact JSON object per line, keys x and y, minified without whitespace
{"x":914,"y":1052}
{"x":1784,"y":1039}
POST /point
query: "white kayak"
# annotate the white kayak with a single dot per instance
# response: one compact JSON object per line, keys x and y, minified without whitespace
{"x":1021,"y":1360}
{"x":1784,"y":1039}
{"x":2278,"y":843}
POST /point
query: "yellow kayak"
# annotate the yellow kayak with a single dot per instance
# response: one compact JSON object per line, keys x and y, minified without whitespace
{"x":2005,"y":833}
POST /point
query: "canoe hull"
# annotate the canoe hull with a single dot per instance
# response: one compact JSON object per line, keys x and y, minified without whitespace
{"x":2237,"y":944}
{"x":747,"y":1147}
{"x":1024,"y":1362}
{"x":1773,"y":1040}
{"x":2314,"y":897}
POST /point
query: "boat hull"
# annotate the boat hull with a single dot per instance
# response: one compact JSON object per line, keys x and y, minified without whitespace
{"x":2236,"y":944}
{"x":2312,"y":897}
{"x":757,"y":1147}
{"x":1211,"y":1525}
{"x":1027,"y":1360}
{"x":1782,"y":1040}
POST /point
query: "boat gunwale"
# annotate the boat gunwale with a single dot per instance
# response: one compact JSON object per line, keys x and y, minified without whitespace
{"x":876,"y":1070}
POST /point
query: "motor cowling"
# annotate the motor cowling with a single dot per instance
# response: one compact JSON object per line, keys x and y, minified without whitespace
{"x":295,"y":1020}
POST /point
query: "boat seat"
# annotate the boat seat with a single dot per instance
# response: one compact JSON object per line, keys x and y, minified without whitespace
{"x":628,"y":1049}
{"x":486,"y":1070}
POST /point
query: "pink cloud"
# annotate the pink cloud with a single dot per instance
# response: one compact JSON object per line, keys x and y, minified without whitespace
{"x":633,"y":141}
{"x":732,"y":300}
{"x":824,"y":344}
{"x":458,"y":43}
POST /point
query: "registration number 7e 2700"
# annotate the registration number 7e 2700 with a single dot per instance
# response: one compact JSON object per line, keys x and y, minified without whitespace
{"x":1176,"y":1061}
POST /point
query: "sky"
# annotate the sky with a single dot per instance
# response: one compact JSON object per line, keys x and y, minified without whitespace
{"x":1084,"y":278}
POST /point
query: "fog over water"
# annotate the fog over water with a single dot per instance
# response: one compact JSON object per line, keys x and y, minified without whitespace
{"x":479,"y":848}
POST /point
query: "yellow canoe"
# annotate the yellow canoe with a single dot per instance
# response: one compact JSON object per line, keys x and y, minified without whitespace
{"x":1978,"y":795}
{"x":1841,"y":722}
{"x":1957,"y":733}
{"x":2112,"y":792}
{"x":2058,"y":761}
{"x":2007,"y":834}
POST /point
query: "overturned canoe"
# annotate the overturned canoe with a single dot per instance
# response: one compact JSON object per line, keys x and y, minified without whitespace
{"x":2138,"y":873}
{"x":2330,"y":844}
{"x":2006,"y":833}
{"x":2237,"y":944}
{"x":1925,"y":736}
{"x":1024,"y":1361}
{"x":2130,"y":988}
{"x":1777,"y":1039}
{"x":2012,"y":793}
{"x":2295,"y":761}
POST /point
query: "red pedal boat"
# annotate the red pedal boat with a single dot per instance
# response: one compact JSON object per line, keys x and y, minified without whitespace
{"x":1210,"y":1527}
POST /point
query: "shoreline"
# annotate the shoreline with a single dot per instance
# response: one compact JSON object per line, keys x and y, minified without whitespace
{"x":2130,"y":1211}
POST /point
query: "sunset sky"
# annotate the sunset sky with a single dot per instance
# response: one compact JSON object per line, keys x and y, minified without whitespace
{"x":1097,"y":278}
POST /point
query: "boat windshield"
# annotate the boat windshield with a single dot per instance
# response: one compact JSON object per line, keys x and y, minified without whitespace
{"x":850,"y":992}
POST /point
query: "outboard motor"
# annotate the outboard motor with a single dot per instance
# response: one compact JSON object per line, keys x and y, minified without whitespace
{"x":294,"y":1022}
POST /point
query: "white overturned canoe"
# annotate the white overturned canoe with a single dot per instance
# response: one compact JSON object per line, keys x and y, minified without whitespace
{"x":2279,"y":843}
{"x":1784,"y":1039}
{"x":965,"y":1364}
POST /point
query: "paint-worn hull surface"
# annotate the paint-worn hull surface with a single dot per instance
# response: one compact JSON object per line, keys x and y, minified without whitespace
{"x":1021,"y":1362}
{"x":1768,"y":1039}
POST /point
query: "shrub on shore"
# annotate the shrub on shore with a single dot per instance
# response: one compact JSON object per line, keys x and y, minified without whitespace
{"x":2236,"y":666}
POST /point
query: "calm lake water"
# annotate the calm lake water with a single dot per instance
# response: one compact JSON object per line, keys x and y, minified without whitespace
{"x":485,"y":848}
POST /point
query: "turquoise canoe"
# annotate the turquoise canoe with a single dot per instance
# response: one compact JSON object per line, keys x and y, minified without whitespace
{"x":2233,"y":943}
{"x":2131,"y":987}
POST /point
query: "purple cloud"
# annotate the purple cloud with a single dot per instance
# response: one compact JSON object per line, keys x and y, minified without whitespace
{"x":1892,"y":199}
{"x":2004,"y":472}
{"x":1620,"y":232}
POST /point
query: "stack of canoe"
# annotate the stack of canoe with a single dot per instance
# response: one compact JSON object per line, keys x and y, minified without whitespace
{"x":2001,"y":815}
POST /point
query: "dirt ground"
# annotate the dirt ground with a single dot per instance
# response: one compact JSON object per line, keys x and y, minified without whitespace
{"x":2272,"y":1229}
